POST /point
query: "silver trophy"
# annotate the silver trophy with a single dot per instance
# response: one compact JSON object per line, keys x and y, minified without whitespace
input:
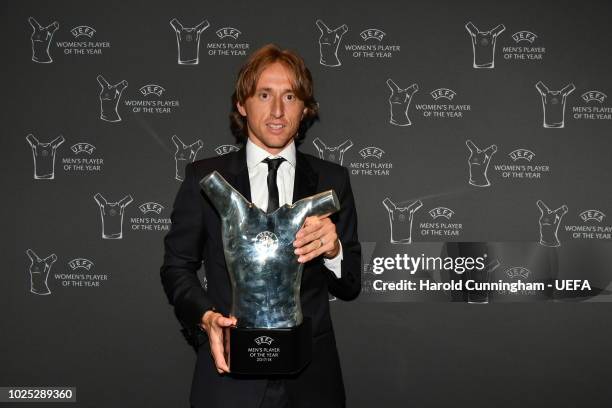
{"x":271,"y":335}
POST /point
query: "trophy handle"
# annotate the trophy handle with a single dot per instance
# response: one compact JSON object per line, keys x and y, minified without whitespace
{"x":223,"y":196}
{"x":322,"y":203}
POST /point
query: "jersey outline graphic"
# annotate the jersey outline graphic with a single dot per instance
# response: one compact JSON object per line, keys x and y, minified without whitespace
{"x":39,"y":272}
{"x":188,"y":41}
{"x":549,"y":222}
{"x":553,"y":109}
{"x":329,"y":41}
{"x":43,"y":155}
{"x":478,"y":163}
{"x":333,"y":154}
{"x":483,"y":45}
{"x":112,"y":212}
{"x":399,"y":103}
{"x":409,"y":210}
{"x":184,"y":154}
{"x":109,"y":99}
{"x":41,"y":40}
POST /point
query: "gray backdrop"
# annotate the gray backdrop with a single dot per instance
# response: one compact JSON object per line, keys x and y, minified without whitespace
{"x":97,"y":319}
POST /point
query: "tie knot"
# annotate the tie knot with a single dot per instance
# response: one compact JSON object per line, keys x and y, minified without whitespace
{"x":273,"y":163}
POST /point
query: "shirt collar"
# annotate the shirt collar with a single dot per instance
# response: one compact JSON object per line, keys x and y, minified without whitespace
{"x":255,"y":154}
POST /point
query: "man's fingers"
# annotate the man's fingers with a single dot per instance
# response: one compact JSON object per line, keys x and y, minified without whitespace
{"x":217,"y":351}
{"x":216,"y":338}
{"x":310,"y":224}
{"x":312,"y":254}
{"x":224,"y":321}
{"x":219,"y":360}
{"x":326,"y":231}
{"x":318,"y":236}
{"x":316,"y":229}
{"x":315,"y":249}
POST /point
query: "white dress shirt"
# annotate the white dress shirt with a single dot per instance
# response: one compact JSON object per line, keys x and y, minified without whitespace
{"x":258,"y":180}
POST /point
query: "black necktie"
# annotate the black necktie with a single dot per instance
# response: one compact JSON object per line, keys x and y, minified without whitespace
{"x":273,"y":165}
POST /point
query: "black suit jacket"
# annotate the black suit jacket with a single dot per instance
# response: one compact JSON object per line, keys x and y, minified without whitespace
{"x":195,"y":239}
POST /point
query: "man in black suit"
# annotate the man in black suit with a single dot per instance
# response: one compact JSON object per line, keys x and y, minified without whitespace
{"x":273,"y":103}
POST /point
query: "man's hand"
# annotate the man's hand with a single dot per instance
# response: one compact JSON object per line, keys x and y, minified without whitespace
{"x":317,"y":236}
{"x":215,"y":324}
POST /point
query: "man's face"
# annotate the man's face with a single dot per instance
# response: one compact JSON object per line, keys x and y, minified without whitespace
{"x":274,"y":112}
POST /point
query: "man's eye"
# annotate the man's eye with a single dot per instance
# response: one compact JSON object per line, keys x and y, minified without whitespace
{"x":263,"y":95}
{"x":290,"y":97}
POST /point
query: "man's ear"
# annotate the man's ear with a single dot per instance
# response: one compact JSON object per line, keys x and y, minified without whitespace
{"x":241,"y":109}
{"x":304,"y":112}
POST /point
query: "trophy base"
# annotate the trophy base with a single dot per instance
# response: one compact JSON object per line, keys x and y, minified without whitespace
{"x":270,"y":351}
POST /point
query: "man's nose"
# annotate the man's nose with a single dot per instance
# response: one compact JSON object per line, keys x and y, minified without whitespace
{"x":277,"y":109}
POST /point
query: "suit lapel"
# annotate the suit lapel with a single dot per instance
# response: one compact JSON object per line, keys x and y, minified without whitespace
{"x":239,"y":174}
{"x":305,"y":183}
{"x":306,"y":179}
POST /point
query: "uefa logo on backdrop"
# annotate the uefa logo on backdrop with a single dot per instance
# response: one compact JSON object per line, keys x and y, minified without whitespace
{"x":374,"y":44}
{"x":441,"y":212}
{"x":229,"y":43}
{"x":593,"y":106}
{"x":592,"y":215}
{"x":514,"y":274}
{"x":149,"y":100}
{"x":151,"y":89}
{"x":522,"y":154}
{"x":82,"y":42}
{"x":517,"y":272}
{"x":151,"y":207}
{"x":83,"y":263}
{"x":83,"y":31}
{"x":594,"y":96}
{"x":82,"y":148}
{"x":83,"y":159}
{"x":524,"y":48}
{"x":225,"y":149}
{"x":441,"y":224}
{"x":445,"y":93}
{"x":591,"y":227}
{"x":150,"y":218}
{"x":226,"y":32}
{"x":81,"y":274}
{"x":441,"y":107}
{"x":522,"y":166}
{"x":371,"y":162}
